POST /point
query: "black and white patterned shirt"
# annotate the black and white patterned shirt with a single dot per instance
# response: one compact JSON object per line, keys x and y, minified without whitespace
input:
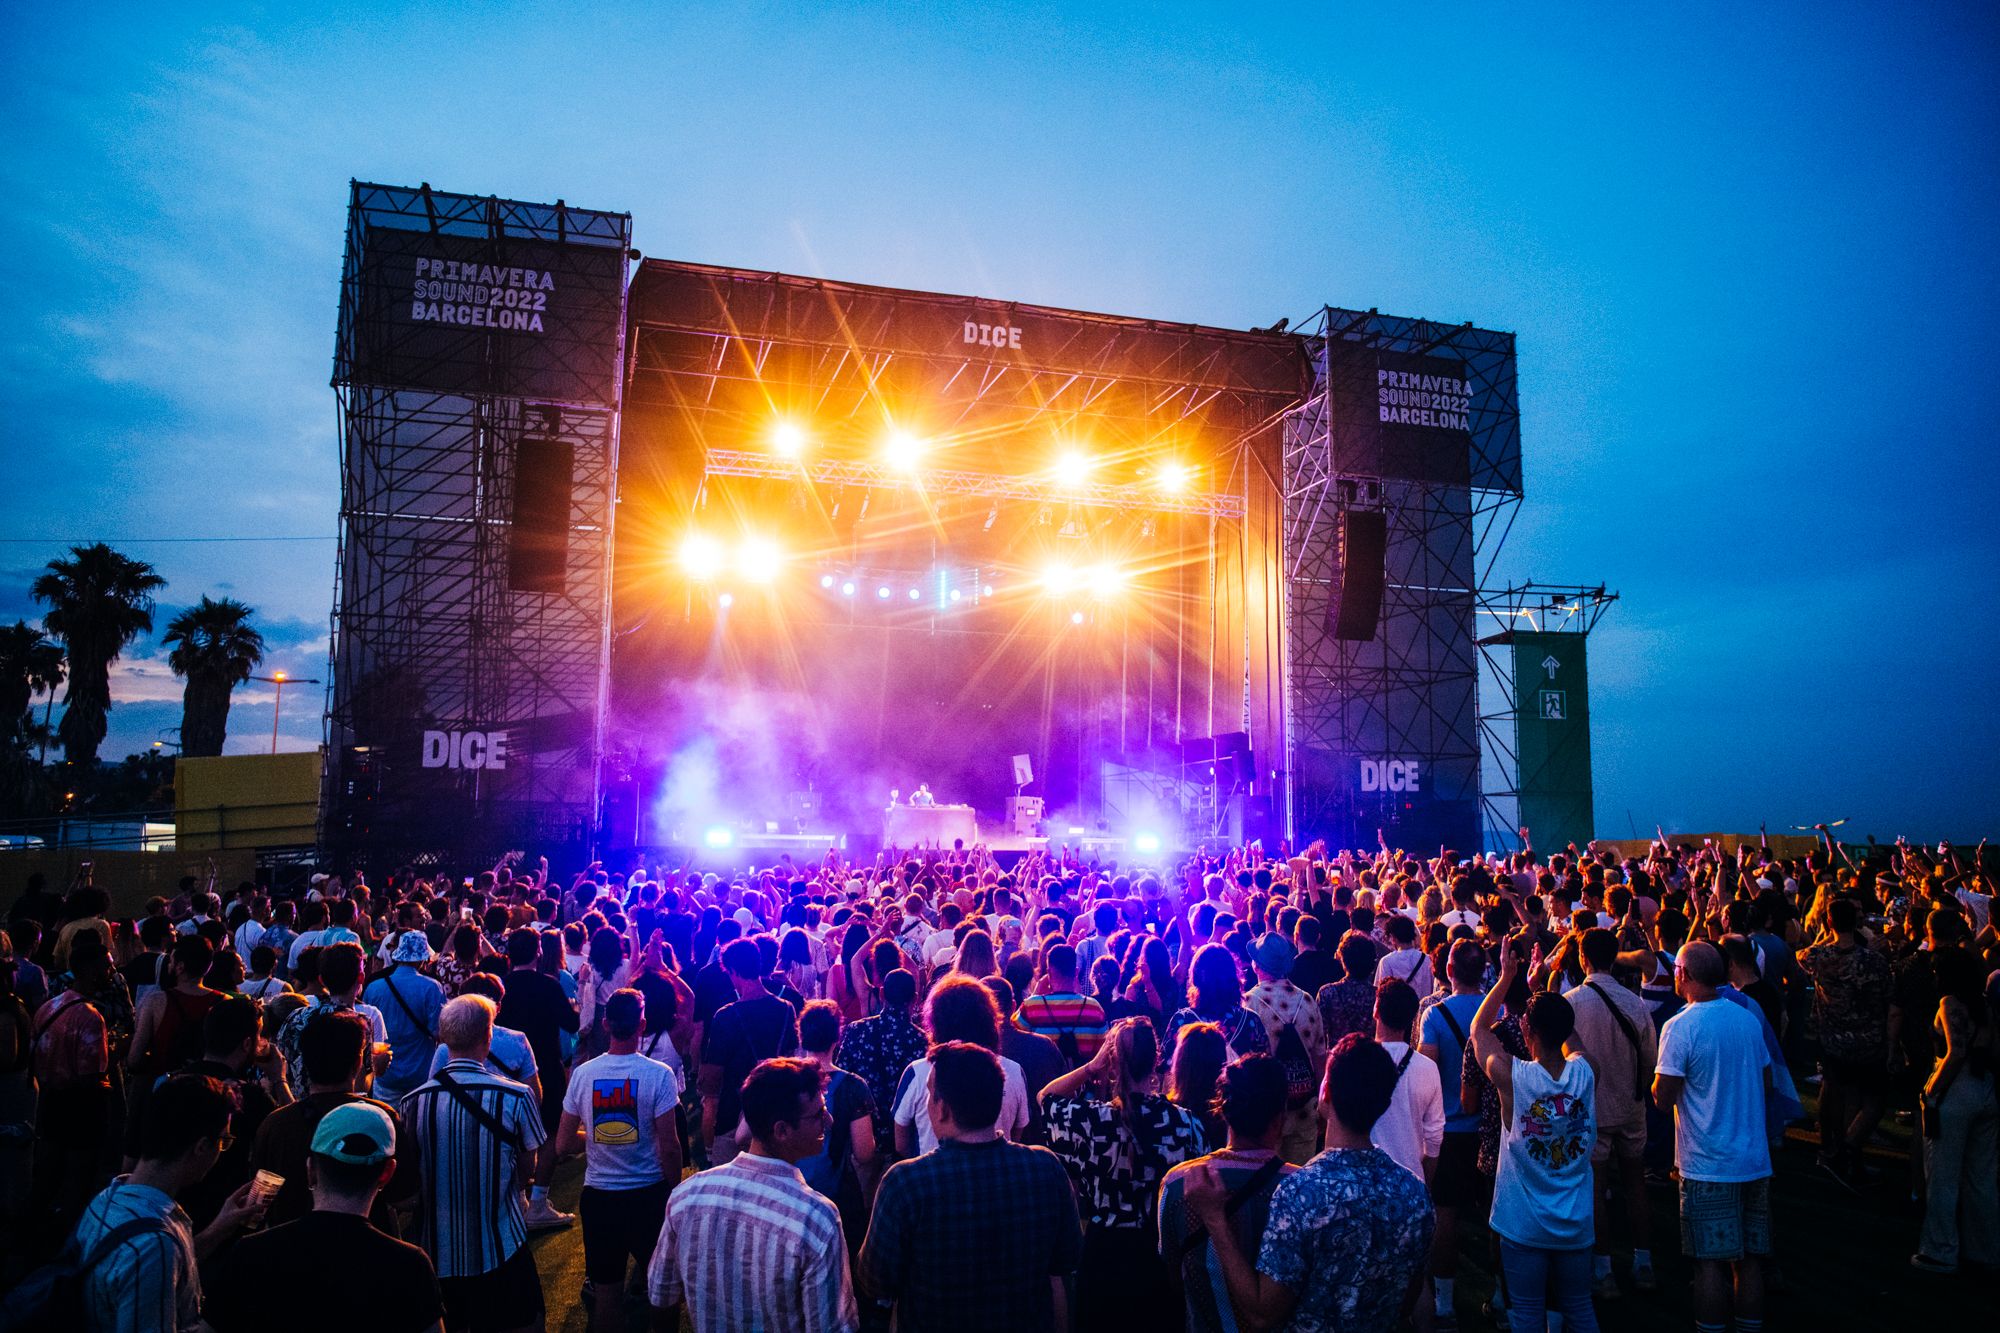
{"x":1117,"y":1168}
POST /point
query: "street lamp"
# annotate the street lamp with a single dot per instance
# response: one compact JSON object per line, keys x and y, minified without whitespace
{"x":280,"y":679}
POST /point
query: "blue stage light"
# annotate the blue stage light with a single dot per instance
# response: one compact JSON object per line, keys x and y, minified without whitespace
{"x":719,"y":836}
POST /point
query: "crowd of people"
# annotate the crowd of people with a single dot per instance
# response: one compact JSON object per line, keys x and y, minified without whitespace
{"x":939,"y":1092}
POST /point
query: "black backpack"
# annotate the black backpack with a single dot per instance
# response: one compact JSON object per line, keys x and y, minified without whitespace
{"x":51,"y":1299}
{"x":1291,"y":1054}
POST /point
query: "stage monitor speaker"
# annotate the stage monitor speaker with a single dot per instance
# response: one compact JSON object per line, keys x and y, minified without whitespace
{"x":543,"y":478}
{"x":1364,"y":537}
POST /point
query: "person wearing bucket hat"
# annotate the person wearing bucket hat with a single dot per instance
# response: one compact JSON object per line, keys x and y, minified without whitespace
{"x":409,"y":1002}
{"x":1295,"y":1034}
{"x":353,"y":1155}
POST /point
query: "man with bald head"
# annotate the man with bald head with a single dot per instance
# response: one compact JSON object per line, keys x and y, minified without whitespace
{"x":1712,"y":1072}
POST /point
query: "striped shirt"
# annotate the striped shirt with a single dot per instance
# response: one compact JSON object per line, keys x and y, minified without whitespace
{"x":1072,"y":1021}
{"x":149,"y":1283}
{"x":472,"y":1220}
{"x":751,"y":1245}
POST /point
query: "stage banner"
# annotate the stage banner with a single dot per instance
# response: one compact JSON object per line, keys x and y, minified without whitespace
{"x":1552,"y":738}
{"x":501,"y":316}
{"x":1400,"y":415}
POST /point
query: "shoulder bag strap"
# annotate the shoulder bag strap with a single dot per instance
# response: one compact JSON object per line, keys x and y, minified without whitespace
{"x":49,"y":1022}
{"x":1631,"y":1037}
{"x":389,"y":984}
{"x":463,"y":1096}
{"x":1451,"y":1021}
{"x":118,"y":1235}
{"x":1238,"y":1198}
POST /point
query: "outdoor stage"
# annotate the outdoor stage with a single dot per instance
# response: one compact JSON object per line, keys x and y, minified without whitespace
{"x":871,"y":538}
{"x":677,"y":555}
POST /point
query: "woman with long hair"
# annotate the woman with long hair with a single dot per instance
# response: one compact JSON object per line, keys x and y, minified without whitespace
{"x":975,"y":957}
{"x":1215,"y":995}
{"x":1197,"y":1068}
{"x":1118,"y":1137}
{"x":1961,"y":1125}
{"x":847,"y":980}
{"x":795,"y":961}
{"x":1149,"y":990}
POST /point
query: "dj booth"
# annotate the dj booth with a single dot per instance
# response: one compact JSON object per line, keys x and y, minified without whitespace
{"x":929,"y":826}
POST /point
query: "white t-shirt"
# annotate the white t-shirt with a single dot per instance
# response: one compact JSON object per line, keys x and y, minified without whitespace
{"x":1411,"y":965}
{"x":1413,"y":1126}
{"x":1717,"y":1047}
{"x":618,"y":1097}
{"x":913,"y":1102}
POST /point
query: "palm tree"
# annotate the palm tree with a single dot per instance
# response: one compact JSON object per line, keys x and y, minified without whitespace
{"x":29,"y":665}
{"x":214,"y":650}
{"x":99,"y":601}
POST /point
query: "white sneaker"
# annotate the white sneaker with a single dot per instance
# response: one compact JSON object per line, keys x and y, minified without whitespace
{"x":544,"y":1216}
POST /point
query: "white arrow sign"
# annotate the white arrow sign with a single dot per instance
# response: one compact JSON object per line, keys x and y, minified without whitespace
{"x":1549,"y":664}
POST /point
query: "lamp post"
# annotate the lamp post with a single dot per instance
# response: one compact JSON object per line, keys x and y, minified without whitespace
{"x":280,"y":679}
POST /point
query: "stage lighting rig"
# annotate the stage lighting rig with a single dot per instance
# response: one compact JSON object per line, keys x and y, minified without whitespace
{"x":1174,"y":477}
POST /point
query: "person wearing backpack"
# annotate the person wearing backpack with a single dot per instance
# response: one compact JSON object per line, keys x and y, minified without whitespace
{"x":1295,"y":1035}
{"x":135,"y":1252}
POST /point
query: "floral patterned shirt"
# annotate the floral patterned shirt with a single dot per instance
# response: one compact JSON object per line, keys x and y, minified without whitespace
{"x":1851,"y":992}
{"x":1349,"y":1231}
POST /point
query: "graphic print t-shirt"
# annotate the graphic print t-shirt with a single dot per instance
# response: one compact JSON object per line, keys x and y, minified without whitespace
{"x":618,"y":1097}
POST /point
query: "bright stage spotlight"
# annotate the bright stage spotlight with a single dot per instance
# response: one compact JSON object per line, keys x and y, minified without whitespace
{"x":902,"y":451}
{"x":726,"y":600}
{"x":847,"y":588}
{"x":1072,"y":468}
{"x":1146,"y":844}
{"x":1174,"y":478}
{"x":701,"y":556}
{"x":1076,"y":617}
{"x":719,"y":836}
{"x":788,"y":439}
{"x":954,"y":594}
{"x":883,"y":592}
{"x":826,"y":580}
{"x":758,"y":559}
{"x":1105,"y":580}
{"x":1058,"y":577}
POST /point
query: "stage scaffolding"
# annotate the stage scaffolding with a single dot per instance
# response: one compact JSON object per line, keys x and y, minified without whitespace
{"x":435,"y":634}
{"x":1409,"y":692}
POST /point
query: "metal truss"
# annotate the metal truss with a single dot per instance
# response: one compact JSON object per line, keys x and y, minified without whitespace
{"x":976,"y":485}
{"x":1541,"y":607}
{"x":428,"y":631}
{"x":1411,"y":691}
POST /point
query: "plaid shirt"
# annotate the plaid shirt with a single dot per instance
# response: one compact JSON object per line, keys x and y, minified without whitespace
{"x":751,"y":1245}
{"x":967,"y":1237}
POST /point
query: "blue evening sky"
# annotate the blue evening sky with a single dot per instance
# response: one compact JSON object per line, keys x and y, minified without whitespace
{"x":1748,"y":249}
